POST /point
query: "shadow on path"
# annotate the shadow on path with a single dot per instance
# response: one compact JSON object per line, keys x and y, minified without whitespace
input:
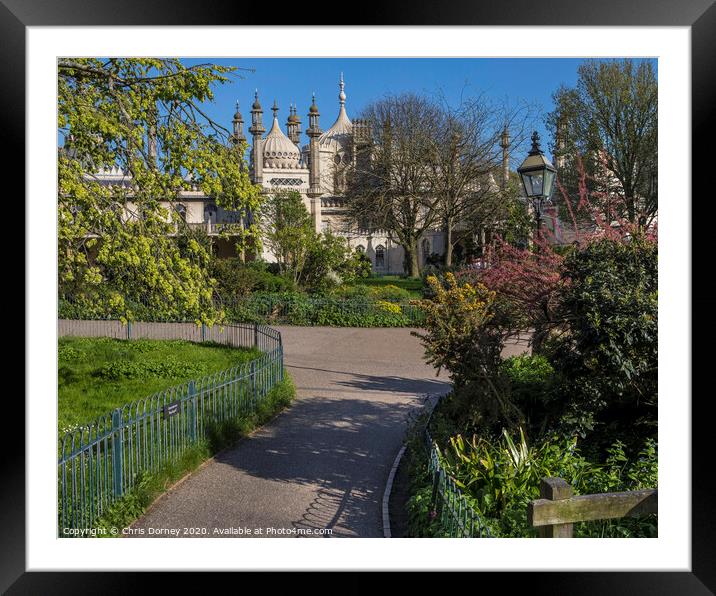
{"x":323,"y":463}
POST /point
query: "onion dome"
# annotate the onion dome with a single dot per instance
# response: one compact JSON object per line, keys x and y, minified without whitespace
{"x":314,"y":108}
{"x":293,"y":117}
{"x":257,"y":104}
{"x":339,"y":134}
{"x":279,"y":150}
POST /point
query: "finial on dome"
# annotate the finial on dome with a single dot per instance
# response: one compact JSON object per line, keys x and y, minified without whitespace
{"x":274,"y":109}
{"x":314,"y":108}
{"x":341,"y":95}
{"x":257,"y":103}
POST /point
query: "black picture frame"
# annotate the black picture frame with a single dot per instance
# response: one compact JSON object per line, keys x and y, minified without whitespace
{"x":700,"y":15}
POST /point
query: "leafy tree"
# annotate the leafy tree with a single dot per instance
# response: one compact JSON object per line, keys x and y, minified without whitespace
{"x":316,"y":262}
{"x":143,"y":116}
{"x":332,"y":262}
{"x":609,"y":123}
{"x":287,"y":231}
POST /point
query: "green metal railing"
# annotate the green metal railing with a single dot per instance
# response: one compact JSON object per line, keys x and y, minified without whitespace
{"x":452,"y":511}
{"x":100,"y":462}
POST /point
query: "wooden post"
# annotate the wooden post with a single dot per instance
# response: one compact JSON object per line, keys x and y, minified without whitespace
{"x":555,"y":489}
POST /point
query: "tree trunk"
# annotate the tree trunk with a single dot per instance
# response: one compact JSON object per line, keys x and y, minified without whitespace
{"x":448,"y":243}
{"x":411,"y":258}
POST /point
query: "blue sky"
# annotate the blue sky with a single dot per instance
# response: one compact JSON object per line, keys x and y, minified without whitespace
{"x":293,"y":80}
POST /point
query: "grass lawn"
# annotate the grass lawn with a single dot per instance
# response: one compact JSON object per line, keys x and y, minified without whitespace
{"x":411,"y":284}
{"x":97,"y":375}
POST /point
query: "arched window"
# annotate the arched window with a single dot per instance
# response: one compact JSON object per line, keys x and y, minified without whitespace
{"x":360,"y":248}
{"x":380,"y":256}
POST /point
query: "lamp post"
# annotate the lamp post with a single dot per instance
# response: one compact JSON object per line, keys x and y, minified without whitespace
{"x":538,"y":175}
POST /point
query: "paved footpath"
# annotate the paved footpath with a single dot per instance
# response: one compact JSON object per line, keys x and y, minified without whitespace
{"x":322,"y":463}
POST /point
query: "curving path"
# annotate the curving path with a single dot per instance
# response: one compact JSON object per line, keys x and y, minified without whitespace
{"x":323,"y":463}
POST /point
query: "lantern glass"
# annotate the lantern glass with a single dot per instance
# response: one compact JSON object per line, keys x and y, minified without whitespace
{"x":548,"y":186}
{"x":533,"y":182}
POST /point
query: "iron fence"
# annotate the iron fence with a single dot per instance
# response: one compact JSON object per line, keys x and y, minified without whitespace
{"x":100,"y":462}
{"x":456,"y":517}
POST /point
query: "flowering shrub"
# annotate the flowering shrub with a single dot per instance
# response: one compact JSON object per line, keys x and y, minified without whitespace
{"x":389,"y":307}
{"x":458,"y":336}
{"x":465,"y":332}
{"x":529,"y":283}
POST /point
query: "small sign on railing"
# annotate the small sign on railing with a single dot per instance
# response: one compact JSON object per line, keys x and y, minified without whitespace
{"x":171,"y":409}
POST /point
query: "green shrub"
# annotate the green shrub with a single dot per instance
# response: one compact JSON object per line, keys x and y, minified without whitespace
{"x":302,"y":309}
{"x":608,"y":361}
{"x":239,"y":280}
{"x":526,"y":371}
{"x":499,"y":478}
{"x":530,"y":383}
{"x":387,"y":292}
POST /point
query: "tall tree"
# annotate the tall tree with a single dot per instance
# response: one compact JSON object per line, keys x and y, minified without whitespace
{"x":466,"y":165}
{"x":144,"y":119}
{"x":287,"y":231}
{"x":391,"y":190}
{"x":608,"y":125}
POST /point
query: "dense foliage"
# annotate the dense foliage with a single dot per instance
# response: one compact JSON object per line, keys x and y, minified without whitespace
{"x":586,"y":398}
{"x":315,"y":262}
{"x":500,"y":476}
{"x":144,"y":117}
{"x":608,"y":358}
{"x":237,"y":280}
{"x":301,"y":309}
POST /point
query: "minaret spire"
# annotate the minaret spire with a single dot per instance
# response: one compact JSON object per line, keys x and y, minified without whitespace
{"x":238,"y":122}
{"x":342,"y":95}
{"x":505,"y":144}
{"x":257,"y":129}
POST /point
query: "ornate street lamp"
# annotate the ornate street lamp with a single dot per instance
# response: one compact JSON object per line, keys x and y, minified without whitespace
{"x":538,"y":176}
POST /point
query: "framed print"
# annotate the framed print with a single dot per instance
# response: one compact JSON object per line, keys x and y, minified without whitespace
{"x":270,"y":237}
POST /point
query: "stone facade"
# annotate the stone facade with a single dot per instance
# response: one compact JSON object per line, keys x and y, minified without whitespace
{"x":317,"y":170}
